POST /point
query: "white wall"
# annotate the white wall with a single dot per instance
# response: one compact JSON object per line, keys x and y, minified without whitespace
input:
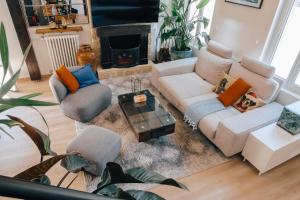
{"x":242,"y":28}
{"x":15,"y":51}
{"x":41,"y":51}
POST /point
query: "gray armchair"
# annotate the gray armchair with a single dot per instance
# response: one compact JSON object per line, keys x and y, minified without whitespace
{"x":83,"y":105}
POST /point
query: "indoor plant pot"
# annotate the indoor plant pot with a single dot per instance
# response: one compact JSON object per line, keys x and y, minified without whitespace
{"x":175,"y":54}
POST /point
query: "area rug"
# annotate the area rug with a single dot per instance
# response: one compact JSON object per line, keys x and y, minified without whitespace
{"x":176,"y":155}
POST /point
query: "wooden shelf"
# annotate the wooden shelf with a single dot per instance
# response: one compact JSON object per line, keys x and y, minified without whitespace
{"x":59,"y":30}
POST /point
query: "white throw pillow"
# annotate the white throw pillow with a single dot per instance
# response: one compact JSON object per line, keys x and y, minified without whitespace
{"x":211,"y":67}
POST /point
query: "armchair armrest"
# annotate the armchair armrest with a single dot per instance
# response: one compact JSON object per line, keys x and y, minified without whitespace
{"x":232,"y":133}
{"x":176,"y":67}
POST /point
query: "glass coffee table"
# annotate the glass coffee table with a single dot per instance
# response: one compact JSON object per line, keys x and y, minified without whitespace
{"x":148,"y":119}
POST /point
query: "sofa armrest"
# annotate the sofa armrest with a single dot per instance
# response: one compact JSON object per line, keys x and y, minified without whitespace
{"x":176,"y":67}
{"x":232,"y":133}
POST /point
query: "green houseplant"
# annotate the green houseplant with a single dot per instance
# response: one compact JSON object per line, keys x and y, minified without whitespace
{"x":178,"y":25}
{"x":73,"y":162}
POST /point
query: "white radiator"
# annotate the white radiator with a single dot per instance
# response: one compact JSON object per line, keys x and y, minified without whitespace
{"x":62,"y":50}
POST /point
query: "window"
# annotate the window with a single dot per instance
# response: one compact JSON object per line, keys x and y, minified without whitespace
{"x":207,"y":12}
{"x":289,"y":45}
{"x":42,"y":12}
{"x":283,"y":47}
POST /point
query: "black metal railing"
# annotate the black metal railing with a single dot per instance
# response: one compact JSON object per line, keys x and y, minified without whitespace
{"x":10,"y":187}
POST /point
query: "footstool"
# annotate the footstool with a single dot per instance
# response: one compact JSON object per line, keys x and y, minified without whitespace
{"x":97,"y":145}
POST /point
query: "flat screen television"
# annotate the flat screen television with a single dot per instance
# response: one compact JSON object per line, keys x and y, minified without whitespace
{"x":117,"y":12}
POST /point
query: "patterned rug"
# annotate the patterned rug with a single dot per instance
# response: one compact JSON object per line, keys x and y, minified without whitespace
{"x":176,"y":155}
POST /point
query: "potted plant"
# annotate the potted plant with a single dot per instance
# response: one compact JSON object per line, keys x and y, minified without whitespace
{"x":178,"y":25}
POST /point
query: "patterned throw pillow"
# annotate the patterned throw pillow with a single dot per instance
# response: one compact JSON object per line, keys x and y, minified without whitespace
{"x":248,"y":101}
{"x":224,"y":83}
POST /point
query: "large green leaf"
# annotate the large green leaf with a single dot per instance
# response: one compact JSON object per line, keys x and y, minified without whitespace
{"x":4,"y":53}
{"x":75,"y":163}
{"x":43,"y":179}
{"x":7,"y":133}
{"x":25,"y":102}
{"x":144,"y":195}
{"x":40,"y":139}
{"x":12,"y":81}
{"x":202,"y":4}
{"x":147,"y":176}
{"x":35,"y":172}
{"x":29,"y":96}
{"x":9,"y":84}
{"x":10,"y":123}
{"x":115,"y":192}
{"x":114,"y":174}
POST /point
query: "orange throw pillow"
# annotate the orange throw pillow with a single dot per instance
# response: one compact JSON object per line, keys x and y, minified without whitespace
{"x":234,"y":92}
{"x":67,"y":78}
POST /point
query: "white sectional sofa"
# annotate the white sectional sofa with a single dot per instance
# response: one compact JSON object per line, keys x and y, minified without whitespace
{"x":184,"y":82}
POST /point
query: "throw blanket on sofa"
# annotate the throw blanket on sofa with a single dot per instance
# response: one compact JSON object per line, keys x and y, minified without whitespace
{"x":200,"y":109}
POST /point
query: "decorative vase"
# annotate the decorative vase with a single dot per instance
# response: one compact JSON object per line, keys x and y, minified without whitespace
{"x":86,"y":55}
{"x":175,"y":54}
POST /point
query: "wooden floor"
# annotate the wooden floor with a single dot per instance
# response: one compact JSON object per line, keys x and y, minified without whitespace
{"x":232,"y":180}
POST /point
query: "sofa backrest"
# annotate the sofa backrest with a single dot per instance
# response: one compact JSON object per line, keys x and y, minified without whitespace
{"x":213,"y":61}
{"x":258,"y":75}
{"x":219,"y":49}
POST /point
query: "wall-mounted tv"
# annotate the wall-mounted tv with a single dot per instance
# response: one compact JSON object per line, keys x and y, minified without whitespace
{"x":117,"y":12}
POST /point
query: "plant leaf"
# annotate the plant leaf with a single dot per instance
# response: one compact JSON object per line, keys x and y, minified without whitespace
{"x":114,"y":174}
{"x":144,"y":195}
{"x":43,"y":179}
{"x":25,"y":102}
{"x":9,"y":84}
{"x":10,"y":123}
{"x":115,"y":192}
{"x":41,"y":140}
{"x":29,"y":96}
{"x":147,"y":176}
{"x":4,"y":53}
{"x":202,"y":4}
{"x":4,"y":131}
{"x":75,"y":163}
{"x":39,"y":170}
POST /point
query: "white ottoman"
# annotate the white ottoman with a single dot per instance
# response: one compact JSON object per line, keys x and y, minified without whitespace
{"x":98,"y":145}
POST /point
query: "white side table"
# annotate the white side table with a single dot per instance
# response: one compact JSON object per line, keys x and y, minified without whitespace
{"x":270,"y":146}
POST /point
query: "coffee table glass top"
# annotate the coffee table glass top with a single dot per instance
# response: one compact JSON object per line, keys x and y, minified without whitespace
{"x":146,"y":116}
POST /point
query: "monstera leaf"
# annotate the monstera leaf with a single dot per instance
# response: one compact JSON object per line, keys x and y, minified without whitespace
{"x":116,"y":192}
{"x":75,"y":163}
{"x":43,"y":179}
{"x":40,"y":139}
{"x":114,"y":174}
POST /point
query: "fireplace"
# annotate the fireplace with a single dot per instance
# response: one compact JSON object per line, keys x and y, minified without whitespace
{"x":125,"y":50}
{"x":123,"y":46}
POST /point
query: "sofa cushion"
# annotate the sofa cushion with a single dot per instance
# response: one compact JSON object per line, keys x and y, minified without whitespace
{"x":258,"y":67}
{"x":87,"y":102}
{"x":210,"y":67}
{"x":219,"y":49}
{"x":208,"y":125}
{"x":185,"y":103}
{"x":179,"y":87}
{"x":265,"y":88}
